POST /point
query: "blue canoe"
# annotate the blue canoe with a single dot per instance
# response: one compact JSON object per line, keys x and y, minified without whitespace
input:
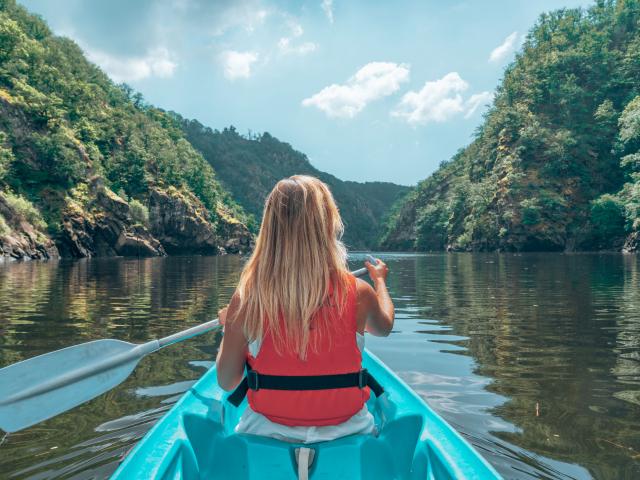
{"x":196,"y":440}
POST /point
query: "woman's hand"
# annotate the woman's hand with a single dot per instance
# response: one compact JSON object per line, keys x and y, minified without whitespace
{"x":377,"y":272}
{"x":222,"y":315}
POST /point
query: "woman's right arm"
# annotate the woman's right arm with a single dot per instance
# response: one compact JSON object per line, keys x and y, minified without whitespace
{"x":375,"y":308}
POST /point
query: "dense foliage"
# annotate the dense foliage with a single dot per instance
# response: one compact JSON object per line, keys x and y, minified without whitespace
{"x":556,"y":163}
{"x":63,"y":122}
{"x":250,"y":166}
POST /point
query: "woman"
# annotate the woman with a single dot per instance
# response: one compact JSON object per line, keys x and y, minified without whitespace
{"x":298,"y":312}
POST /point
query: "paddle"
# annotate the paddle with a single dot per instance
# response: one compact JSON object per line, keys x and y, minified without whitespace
{"x":45,"y":386}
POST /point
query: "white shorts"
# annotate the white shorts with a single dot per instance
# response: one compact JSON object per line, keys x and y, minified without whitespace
{"x":254,"y":423}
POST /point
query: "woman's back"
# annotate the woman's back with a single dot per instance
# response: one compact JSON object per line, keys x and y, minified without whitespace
{"x":333,"y":352}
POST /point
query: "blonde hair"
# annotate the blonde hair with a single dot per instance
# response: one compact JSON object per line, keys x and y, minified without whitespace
{"x":298,"y":259}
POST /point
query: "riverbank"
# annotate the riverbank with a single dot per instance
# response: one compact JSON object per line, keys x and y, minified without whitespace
{"x":96,"y":222}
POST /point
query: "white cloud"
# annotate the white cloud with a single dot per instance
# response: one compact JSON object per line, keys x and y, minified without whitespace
{"x":245,"y":15}
{"x":476,"y":101}
{"x":505,"y":49}
{"x":286,"y":45}
{"x":437,"y":101}
{"x":373,"y":81}
{"x":327,"y":7}
{"x":237,"y":64}
{"x":157,"y":62}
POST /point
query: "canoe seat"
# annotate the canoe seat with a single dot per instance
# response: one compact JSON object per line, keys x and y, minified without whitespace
{"x":218,"y":455}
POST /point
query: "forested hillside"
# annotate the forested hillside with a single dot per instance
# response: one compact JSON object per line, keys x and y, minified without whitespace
{"x":88,"y":168}
{"x":250,"y":167}
{"x":556,"y":163}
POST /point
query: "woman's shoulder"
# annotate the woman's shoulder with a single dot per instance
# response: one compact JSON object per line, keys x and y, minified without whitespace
{"x":363,"y":289}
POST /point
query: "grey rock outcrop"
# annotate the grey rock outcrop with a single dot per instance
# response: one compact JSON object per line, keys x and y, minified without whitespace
{"x":182,"y":224}
{"x":105,"y":228}
{"x":21,"y":240}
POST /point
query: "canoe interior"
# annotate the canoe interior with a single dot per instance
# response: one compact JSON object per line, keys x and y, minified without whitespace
{"x":196,"y":440}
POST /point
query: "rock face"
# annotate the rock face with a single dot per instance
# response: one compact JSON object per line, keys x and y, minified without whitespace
{"x":181,"y":223}
{"x":22,"y":240}
{"x":98,"y":223}
{"x":238,"y":238}
{"x":104,"y":228}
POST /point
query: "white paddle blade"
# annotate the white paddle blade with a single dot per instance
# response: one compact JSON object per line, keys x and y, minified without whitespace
{"x":41,"y":387}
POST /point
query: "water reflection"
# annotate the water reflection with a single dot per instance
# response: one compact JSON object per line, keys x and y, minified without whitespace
{"x":534,"y":358}
{"x":556,"y":338}
{"x":46,"y":306}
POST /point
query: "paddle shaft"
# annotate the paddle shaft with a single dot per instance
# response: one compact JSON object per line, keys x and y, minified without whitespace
{"x":135,"y":354}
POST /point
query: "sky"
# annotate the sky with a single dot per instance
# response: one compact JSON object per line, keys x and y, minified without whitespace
{"x":370,"y":90}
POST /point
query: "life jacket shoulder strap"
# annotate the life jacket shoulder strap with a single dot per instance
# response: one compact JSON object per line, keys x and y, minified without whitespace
{"x":257,"y":381}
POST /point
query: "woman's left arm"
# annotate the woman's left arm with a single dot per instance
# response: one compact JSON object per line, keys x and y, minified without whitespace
{"x":232,"y":353}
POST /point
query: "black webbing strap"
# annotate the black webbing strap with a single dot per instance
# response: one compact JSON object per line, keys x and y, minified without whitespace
{"x":256,"y":381}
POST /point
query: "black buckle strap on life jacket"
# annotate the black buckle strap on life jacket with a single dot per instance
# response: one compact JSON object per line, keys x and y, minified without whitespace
{"x":256,"y":381}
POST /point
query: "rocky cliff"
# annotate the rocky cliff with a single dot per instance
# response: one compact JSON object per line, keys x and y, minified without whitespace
{"x":180,"y":222}
{"x":19,"y":238}
{"x":103,"y":226}
{"x":88,"y":168}
{"x":97,"y":222}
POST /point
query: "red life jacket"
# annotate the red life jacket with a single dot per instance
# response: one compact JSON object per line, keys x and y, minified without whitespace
{"x":336,"y":353}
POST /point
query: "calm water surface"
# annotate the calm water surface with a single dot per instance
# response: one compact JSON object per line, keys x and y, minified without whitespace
{"x":535,"y":359}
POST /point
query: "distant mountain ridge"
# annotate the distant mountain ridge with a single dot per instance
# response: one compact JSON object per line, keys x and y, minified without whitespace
{"x":249,"y":168}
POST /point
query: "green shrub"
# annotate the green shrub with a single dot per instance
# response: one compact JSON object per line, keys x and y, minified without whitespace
{"x":4,"y":228}
{"x":630,"y":200}
{"x":59,"y":157}
{"x":530,"y":212}
{"x":464,"y":240}
{"x":139,"y":212}
{"x":431,"y":228}
{"x":25,"y":209}
{"x":6,"y":156}
{"x":607,"y":217}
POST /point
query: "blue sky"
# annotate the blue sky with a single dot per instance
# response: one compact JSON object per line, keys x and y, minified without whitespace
{"x":369,"y":90}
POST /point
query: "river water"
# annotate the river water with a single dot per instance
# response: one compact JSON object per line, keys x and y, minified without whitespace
{"x":534,"y":358}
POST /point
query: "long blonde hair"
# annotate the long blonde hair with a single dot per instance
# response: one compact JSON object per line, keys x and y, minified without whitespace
{"x":299,"y":265}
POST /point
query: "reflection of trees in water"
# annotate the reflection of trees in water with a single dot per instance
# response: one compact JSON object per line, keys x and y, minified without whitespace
{"x":46,"y":306}
{"x":25,"y":290}
{"x":557,"y":331}
{"x":63,"y":303}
